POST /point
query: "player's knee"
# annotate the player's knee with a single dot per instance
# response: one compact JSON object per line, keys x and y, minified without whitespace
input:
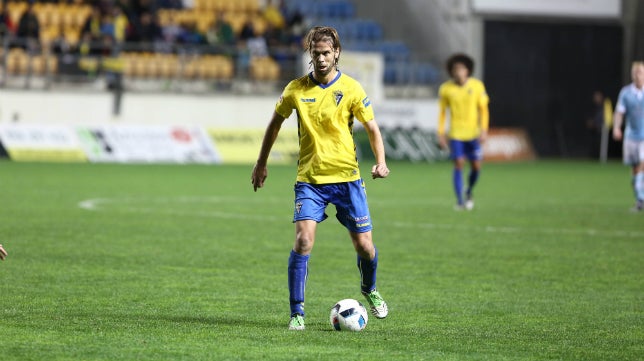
{"x":303,"y":243}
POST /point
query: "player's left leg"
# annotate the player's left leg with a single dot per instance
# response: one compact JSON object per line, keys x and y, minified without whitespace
{"x":353,"y":213}
{"x":368,"y":266}
{"x":474,"y":154}
{"x":638,"y":177}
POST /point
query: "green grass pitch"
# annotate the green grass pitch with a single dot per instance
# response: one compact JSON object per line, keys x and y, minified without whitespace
{"x":169,"y":262}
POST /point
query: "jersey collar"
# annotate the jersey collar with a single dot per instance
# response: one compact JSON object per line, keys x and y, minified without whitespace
{"x":324,"y":86}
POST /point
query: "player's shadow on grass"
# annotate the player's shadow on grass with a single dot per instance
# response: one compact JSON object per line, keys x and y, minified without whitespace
{"x":231,"y":320}
{"x":214,"y":320}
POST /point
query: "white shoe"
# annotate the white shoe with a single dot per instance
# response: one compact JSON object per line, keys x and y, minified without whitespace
{"x":469,"y":204}
{"x":377,"y":304}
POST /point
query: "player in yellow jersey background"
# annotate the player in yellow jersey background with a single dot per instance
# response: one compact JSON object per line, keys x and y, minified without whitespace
{"x":326,"y":102}
{"x":464,"y":101}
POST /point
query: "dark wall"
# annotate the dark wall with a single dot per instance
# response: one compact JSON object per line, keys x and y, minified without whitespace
{"x":541,"y":76}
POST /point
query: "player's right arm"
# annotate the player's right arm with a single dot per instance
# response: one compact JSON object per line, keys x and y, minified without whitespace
{"x":260,"y":172}
{"x":618,"y":116}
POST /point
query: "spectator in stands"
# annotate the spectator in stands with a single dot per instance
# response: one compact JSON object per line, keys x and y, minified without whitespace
{"x":172,"y":31}
{"x":273,"y":15}
{"x":92,"y":26}
{"x":60,"y":45}
{"x":595,"y":122}
{"x":257,"y":46}
{"x":221,"y":32}
{"x":191,"y":35}
{"x":28,"y":29}
{"x":295,"y":29}
{"x":247,"y":30}
{"x":3,"y":253}
{"x":6,"y":25}
{"x":149,"y":30}
{"x":143,"y":6}
{"x":121,"y":25}
{"x":170,"y":4}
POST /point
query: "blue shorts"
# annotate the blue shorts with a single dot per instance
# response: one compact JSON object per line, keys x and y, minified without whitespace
{"x":471,"y":149}
{"x":350,"y":200}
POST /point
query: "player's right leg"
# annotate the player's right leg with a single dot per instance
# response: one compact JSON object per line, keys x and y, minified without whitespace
{"x":298,"y":269}
{"x":638,"y":187}
{"x":308,"y":211}
{"x":458,"y":157}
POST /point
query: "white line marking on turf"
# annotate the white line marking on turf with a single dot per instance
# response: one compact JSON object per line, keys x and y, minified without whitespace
{"x":132,"y":204}
{"x":508,"y":230}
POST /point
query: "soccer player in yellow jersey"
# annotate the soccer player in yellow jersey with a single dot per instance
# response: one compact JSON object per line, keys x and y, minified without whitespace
{"x":326,"y":102}
{"x":467,"y":102}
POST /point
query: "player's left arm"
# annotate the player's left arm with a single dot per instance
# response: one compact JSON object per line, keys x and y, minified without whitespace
{"x":484,"y":115}
{"x":379,"y":170}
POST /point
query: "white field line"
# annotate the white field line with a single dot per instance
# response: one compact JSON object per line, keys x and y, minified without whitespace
{"x":517,"y":230}
{"x":133,"y":205}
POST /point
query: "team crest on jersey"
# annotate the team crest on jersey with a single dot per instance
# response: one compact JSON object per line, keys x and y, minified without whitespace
{"x":338,"y":96}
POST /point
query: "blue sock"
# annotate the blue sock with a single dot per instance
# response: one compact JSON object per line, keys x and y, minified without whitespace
{"x":457,"y":178}
{"x":471,"y":181}
{"x":297,"y":275}
{"x":368,"y":273}
{"x":639,"y":186}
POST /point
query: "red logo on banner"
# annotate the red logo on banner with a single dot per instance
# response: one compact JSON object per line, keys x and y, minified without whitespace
{"x":181,"y":135}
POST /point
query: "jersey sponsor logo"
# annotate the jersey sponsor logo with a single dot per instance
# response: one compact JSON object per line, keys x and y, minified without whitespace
{"x":366,"y":102}
{"x":307,"y":100}
{"x":338,"y":96}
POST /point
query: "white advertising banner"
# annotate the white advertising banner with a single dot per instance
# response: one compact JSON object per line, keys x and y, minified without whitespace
{"x":31,"y":142}
{"x":147,"y":144}
{"x":554,"y":8}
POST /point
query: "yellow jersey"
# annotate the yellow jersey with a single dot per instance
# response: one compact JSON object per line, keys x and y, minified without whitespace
{"x":468,"y":109}
{"x":325,"y":114}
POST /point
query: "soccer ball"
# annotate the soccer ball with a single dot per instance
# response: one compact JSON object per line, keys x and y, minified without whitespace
{"x":348,"y":315}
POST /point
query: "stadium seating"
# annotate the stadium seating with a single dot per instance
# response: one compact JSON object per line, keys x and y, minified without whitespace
{"x":20,"y":63}
{"x":358,"y":34}
{"x":146,"y":65}
{"x":54,"y":18}
{"x":367,"y":35}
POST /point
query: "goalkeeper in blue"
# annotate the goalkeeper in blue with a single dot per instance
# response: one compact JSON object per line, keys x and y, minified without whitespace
{"x":326,"y":102}
{"x":630,"y":106}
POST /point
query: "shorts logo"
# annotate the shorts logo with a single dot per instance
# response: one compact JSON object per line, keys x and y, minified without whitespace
{"x":298,"y":207}
{"x":338,"y":96}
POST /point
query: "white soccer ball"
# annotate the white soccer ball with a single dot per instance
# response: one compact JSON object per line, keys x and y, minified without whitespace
{"x":348,"y":315}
